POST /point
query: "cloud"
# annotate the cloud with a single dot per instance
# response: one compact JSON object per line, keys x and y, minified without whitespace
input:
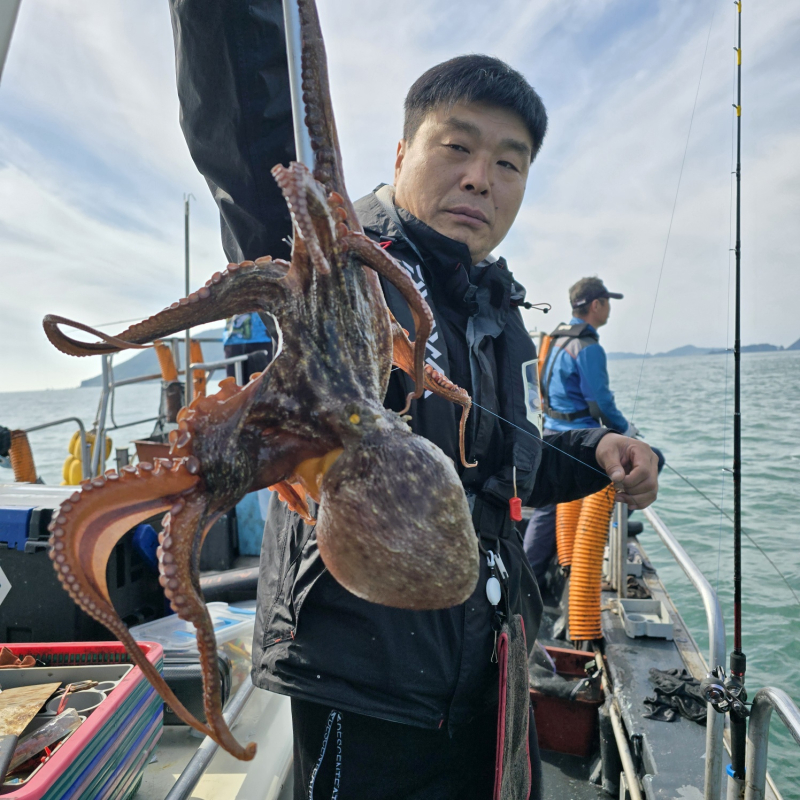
{"x":93,"y":166}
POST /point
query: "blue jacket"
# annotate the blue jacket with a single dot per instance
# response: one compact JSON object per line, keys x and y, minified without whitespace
{"x":576,"y":378}
{"x":245,"y":329}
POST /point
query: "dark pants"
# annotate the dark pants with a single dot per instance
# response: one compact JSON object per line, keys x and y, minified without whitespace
{"x":540,"y":536}
{"x":339,"y":754}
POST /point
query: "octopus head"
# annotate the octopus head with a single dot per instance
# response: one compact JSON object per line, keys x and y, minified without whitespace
{"x":394,"y":526}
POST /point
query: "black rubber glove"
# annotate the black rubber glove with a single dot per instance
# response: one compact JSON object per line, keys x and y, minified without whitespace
{"x":5,"y":441}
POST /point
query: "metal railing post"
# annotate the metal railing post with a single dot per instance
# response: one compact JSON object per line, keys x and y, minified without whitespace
{"x":715,"y":722}
{"x":765,"y":702}
{"x":622,"y":550}
{"x":100,"y":425}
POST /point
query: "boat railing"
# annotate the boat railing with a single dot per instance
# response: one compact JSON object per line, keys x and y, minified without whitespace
{"x":237,"y":361}
{"x":715,"y":722}
{"x":109,"y":384}
{"x":189,"y":778}
{"x":86,"y":448}
{"x":766,"y":701}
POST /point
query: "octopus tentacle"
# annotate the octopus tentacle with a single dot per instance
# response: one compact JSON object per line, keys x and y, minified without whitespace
{"x":435,"y":381}
{"x":180,"y":541}
{"x":442,"y":385}
{"x":85,"y":530}
{"x":249,"y":286}
{"x":378,"y":259}
{"x":295,"y":498}
{"x":300,"y":192}
{"x":319,"y":110}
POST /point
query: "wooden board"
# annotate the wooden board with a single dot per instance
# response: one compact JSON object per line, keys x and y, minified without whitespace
{"x":19,"y":706}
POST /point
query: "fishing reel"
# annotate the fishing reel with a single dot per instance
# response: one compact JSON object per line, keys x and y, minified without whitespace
{"x":726,"y":693}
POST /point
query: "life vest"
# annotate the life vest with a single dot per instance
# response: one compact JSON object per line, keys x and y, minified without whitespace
{"x":554,"y":343}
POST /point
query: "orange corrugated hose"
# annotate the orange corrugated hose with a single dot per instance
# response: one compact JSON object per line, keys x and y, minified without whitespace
{"x":169,"y":372}
{"x":587,"y":566}
{"x":544,"y":349}
{"x":198,"y":375}
{"x":22,"y":458}
{"x":567,"y":516}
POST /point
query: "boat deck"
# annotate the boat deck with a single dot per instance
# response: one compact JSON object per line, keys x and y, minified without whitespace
{"x":567,"y":778}
{"x":669,"y":755}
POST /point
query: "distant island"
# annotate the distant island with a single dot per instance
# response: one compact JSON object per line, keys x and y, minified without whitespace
{"x":146,"y":362}
{"x":691,"y":350}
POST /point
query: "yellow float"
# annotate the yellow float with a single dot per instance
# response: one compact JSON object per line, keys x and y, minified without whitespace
{"x":72,"y":471}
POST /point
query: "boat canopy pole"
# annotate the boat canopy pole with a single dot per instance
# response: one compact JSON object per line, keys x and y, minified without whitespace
{"x":8,"y":16}
{"x":187,"y":355}
{"x":304,"y":153}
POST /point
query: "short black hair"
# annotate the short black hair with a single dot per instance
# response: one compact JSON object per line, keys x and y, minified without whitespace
{"x":475,"y":79}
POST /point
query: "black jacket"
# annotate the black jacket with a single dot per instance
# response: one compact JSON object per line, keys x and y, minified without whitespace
{"x":314,"y":640}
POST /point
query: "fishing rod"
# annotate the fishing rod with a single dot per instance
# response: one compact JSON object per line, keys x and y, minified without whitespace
{"x":738,"y":661}
{"x":727,"y":693}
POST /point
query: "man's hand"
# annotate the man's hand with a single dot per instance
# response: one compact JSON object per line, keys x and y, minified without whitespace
{"x":632,"y":467}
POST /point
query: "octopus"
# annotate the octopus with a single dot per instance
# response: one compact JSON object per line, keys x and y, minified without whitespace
{"x":392,"y":522}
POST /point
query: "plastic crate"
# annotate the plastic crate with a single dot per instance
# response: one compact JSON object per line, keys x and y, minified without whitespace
{"x":233,"y":629}
{"x":106,"y":755}
{"x":566,"y":726}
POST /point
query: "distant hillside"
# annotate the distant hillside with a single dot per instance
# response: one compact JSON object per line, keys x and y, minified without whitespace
{"x":754,"y":348}
{"x":146,"y":362}
{"x":620,"y":356}
{"x":691,"y":350}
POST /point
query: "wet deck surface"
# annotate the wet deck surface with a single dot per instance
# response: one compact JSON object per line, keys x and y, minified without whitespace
{"x":671,"y":754}
{"x":567,"y":778}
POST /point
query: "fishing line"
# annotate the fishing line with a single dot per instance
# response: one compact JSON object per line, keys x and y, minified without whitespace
{"x":669,"y":466}
{"x":541,"y":439}
{"x":750,"y":538}
{"x":116,"y":322}
{"x":672,"y":215}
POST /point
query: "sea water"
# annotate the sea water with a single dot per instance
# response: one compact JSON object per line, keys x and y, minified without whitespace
{"x":683,"y":406}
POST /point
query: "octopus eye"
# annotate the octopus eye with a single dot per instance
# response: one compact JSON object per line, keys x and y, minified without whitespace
{"x":355,"y":419}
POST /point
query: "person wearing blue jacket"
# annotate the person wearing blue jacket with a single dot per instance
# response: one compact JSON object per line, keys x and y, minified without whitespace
{"x":246,"y":334}
{"x":575,"y":391}
{"x":575,"y":394}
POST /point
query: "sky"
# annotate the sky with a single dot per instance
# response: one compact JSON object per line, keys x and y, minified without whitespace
{"x":93,"y":166}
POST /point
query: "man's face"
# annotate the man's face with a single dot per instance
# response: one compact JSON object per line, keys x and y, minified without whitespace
{"x":602,"y":309}
{"x":464,"y":173}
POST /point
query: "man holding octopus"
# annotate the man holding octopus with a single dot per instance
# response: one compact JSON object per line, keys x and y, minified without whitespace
{"x":388,"y":703}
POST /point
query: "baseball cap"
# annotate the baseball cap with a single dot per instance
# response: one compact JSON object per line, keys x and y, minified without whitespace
{"x":588,"y":289}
